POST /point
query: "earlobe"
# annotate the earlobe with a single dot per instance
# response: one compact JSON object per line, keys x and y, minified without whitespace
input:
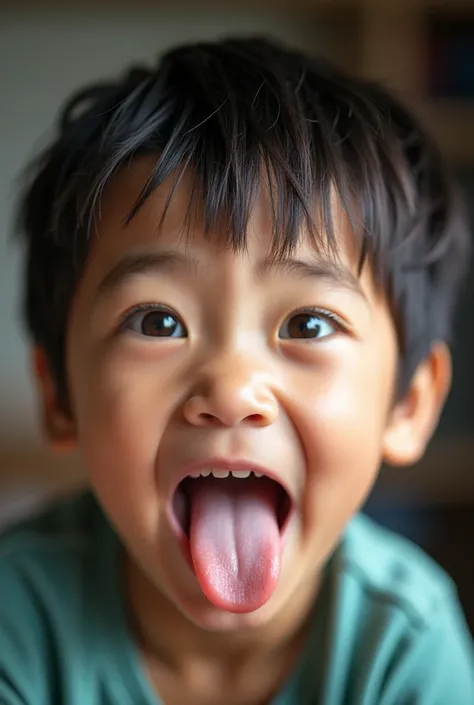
{"x":58,"y":426}
{"x":414,"y":418}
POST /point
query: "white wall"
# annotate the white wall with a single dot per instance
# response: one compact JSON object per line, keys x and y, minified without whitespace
{"x":43,"y":58}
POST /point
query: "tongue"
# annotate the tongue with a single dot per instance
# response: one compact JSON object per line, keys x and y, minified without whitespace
{"x":235,"y":540}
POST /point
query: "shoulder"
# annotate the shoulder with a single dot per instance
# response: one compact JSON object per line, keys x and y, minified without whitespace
{"x":61,"y":518}
{"x":43,"y":564}
{"x":399,"y":630}
{"x":46,"y":547}
{"x":391,"y":569}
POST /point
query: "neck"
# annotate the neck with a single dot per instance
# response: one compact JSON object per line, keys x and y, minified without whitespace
{"x":166,"y":635}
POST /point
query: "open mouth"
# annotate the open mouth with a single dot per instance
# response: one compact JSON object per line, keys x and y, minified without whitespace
{"x":232,"y":523}
{"x":236,"y":481}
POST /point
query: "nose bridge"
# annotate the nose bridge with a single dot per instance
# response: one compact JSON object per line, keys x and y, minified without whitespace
{"x":233,"y":355}
{"x":235,"y":373}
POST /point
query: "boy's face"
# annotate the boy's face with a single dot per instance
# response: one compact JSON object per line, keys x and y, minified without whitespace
{"x":237,"y":369}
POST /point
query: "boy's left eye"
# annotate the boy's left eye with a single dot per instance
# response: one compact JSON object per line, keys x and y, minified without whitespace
{"x":307,"y":325}
{"x":155,"y":322}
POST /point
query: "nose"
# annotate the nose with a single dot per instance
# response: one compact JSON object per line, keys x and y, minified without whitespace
{"x":230,"y":392}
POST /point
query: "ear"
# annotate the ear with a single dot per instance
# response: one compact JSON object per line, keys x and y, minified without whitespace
{"x":414,"y":418}
{"x":58,"y":426}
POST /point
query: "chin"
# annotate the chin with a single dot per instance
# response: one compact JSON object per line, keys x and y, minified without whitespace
{"x":182,"y":589}
{"x":206,"y":616}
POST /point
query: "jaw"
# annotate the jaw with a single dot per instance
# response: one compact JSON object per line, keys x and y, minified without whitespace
{"x":293,"y":596}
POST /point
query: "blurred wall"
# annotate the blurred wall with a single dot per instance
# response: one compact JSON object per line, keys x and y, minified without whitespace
{"x":44,"y":56}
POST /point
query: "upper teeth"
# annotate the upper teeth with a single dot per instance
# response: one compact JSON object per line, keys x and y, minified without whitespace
{"x":225,"y":473}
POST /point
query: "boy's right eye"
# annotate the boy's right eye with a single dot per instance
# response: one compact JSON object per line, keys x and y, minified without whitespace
{"x":155,"y":322}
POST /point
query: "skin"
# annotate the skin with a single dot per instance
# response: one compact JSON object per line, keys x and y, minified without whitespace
{"x":318,"y":412}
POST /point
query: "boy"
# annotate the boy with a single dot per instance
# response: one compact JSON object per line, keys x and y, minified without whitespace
{"x":241,"y":273}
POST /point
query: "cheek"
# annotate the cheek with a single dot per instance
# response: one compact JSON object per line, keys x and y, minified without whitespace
{"x":342,"y":419}
{"x":347,"y":428}
{"x":121,"y":410}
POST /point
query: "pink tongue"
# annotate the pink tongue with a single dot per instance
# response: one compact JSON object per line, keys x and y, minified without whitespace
{"x":235,"y":540}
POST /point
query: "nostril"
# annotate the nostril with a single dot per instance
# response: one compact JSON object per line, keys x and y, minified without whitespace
{"x":209,"y":418}
{"x":255,"y":418}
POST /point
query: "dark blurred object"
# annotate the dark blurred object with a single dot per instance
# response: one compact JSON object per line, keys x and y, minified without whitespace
{"x":451,"y":56}
{"x":458,"y":415}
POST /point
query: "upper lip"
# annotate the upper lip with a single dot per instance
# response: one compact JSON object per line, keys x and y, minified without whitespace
{"x":227,"y":464}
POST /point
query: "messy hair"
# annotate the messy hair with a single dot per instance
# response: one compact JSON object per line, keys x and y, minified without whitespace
{"x":232,"y":113}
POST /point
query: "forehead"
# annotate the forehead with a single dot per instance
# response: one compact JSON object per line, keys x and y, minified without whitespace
{"x":173,"y":218}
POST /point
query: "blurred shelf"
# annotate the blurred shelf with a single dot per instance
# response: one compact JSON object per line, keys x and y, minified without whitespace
{"x":444,"y":6}
{"x":324,"y":5}
{"x":35,"y":465}
{"x":327,"y":6}
{"x":445,"y":476}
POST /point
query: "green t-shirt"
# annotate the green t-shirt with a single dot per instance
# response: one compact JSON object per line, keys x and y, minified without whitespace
{"x":387,"y":629}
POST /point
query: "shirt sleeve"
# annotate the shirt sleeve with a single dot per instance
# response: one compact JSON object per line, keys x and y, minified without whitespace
{"x":438,"y":665}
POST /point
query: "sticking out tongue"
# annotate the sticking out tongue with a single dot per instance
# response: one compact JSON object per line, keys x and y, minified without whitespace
{"x":235,"y":540}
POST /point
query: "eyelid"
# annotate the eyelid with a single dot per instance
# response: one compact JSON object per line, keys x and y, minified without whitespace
{"x":340,"y":323}
{"x":128,"y":315}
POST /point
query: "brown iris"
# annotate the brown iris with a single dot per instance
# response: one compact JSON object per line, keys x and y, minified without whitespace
{"x":161,"y":324}
{"x":304,"y":325}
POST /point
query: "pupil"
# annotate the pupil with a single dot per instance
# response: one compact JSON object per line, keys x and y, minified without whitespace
{"x":159,"y":324}
{"x":304,"y":326}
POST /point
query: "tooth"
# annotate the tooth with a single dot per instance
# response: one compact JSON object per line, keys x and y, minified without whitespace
{"x":195,"y":474}
{"x":205,"y":473}
{"x":220,"y":473}
{"x":258,"y":474}
{"x":240,"y":473}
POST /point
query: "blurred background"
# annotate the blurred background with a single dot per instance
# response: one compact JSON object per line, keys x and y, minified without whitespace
{"x":423,"y":49}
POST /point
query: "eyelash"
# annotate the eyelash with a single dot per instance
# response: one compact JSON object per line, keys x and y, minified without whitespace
{"x":338,"y":322}
{"x":144,"y":308}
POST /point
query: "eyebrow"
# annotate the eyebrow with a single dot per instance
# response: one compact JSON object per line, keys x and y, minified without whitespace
{"x":146,"y":264}
{"x":155,"y":263}
{"x":324,"y":270}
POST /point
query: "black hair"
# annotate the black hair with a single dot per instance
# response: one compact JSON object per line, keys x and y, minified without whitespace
{"x":234,"y":112}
